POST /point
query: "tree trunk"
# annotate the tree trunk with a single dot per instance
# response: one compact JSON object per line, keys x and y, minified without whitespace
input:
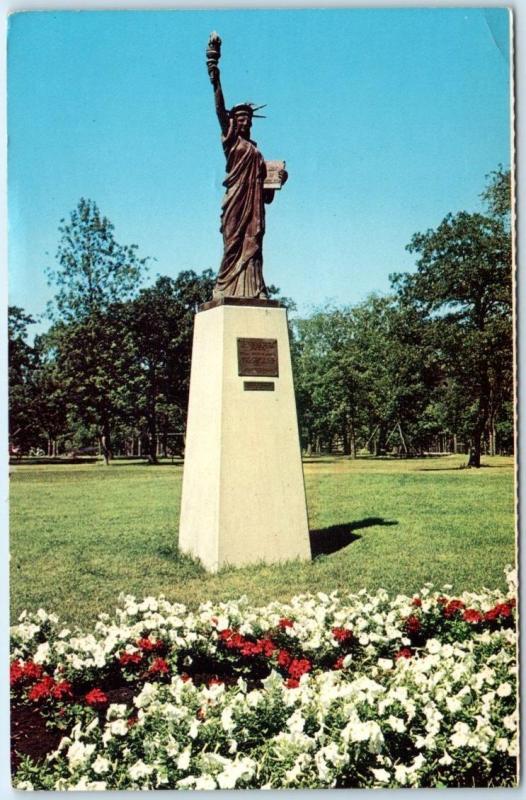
{"x":105,"y":443}
{"x":379,"y":444}
{"x":353,"y":440}
{"x":492,"y":438}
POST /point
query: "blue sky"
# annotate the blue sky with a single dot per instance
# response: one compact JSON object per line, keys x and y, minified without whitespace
{"x":387,"y":120}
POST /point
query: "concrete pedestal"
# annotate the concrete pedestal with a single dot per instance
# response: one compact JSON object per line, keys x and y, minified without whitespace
{"x":243,"y":498}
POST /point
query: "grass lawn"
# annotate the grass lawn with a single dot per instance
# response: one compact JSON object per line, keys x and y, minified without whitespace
{"x":83,"y":533}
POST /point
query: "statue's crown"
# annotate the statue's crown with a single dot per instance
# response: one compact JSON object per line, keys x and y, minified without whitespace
{"x":247,"y":108}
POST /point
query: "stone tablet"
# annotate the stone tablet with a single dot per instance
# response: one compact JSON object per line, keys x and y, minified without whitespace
{"x":258,"y":386}
{"x":258,"y":357}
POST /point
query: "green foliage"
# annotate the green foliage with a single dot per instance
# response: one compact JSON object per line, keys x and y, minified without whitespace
{"x":463,"y":288}
{"x":160,"y":321}
{"x":94,"y":271}
{"x":22,"y":424}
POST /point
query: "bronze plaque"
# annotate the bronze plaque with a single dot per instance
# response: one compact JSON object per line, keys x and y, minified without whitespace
{"x":258,"y":386}
{"x":258,"y":357}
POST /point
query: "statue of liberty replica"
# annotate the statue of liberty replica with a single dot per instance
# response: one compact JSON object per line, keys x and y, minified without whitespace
{"x":243,"y":495}
{"x":250,"y":184}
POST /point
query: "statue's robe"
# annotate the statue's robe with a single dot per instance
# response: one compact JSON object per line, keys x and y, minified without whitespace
{"x":242,"y":221}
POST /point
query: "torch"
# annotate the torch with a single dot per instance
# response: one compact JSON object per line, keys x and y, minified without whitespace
{"x":213,"y":51}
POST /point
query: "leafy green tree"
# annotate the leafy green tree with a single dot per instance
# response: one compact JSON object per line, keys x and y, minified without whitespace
{"x":23,"y":432}
{"x":95,"y":276}
{"x":93,"y":270}
{"x":97,"y":365}
{"x":161,"y":324}
{"x":462,"y":286}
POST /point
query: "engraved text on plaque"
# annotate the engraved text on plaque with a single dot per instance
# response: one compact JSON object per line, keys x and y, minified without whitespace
{"x":257,"y":357}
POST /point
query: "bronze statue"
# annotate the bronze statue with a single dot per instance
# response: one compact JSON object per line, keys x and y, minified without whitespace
{"x":248,"y":188}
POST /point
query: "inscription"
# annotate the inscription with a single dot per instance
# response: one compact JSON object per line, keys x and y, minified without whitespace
{"x":258,"y":386}
{"x":258,"y":357}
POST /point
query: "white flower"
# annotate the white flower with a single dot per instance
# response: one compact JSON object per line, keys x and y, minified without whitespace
{"x":41,"y":653}
{"x":504,"y":690}
{"x":78,"y":753}
{"x":446,"y":759}
{"x":85,"y":785}
{"x":433,"y":646}
{"x":461,"y":736}
{"x":226,"y":719}
{"x":140,"y":770}
{"x":205,"y":782}
{"x":381,"y":775}
{"x":453,"y":704}
{"x":100,"y":765}
{"x":24,"y":785}
{"x":401,"y":774}
{"x":149,"y":691}
{"x":118,"y":728}
{"x":296,"y":722}
{"x":396,"y":723}
{"x":116,"y":711}
{"x":183,"y":762}
{"x":385,"y":663}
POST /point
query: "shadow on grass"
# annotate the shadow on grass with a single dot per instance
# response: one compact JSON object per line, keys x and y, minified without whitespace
{"x":325,"y":541}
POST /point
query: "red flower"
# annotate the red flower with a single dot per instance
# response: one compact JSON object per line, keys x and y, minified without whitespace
{"x":442,"y":601}
{"x":404,"y":652}
{"x":453,"y":607}
{"x":41,"y":690}
{"x":185,"y":677}
{"x":298,"y":667}
{"x":159,"y":667}
{"x":284,"y":658}
{"x":472,"y":615}
{"x":412,"y":624}
{"x":342,"y":634}
{"x":132,"y":721}
{"x":97,"y":698}
{"x":250,"y":649}
{"x":285,"y":623}
{"x":32,"y":671}
{"x":62,"y":691}
{"x":215,"y":681}
{"x":232,"y":639}
{"x":338,"y":664}
{"x":16,"y":672}
{"x":130,"y":658}
{"x":147,"y":645}
{"x":267,"y":647}
{"x":500,"y":610}
{"x":292,"y":683}
{"x":416,"y":601}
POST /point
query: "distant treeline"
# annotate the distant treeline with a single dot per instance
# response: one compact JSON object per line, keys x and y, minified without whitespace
{"x":428,"y":367}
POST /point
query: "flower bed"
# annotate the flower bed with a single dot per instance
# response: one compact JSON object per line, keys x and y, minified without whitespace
{"x":354,"y":691}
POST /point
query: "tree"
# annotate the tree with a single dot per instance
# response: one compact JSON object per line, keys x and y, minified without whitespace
{"x":22,"y":428}
{"x":94,"y":271}
{"x":95,"y":277}
{"x":161,"y":324}
{"x":98,"y":370}
{"x":463,"y":288}
{"x":497,"y":195}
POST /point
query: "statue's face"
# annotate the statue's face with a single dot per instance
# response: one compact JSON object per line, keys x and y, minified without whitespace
{"x":244,"y":124}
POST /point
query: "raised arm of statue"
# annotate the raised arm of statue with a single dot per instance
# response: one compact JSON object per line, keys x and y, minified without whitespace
{"x":213,"y":54}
